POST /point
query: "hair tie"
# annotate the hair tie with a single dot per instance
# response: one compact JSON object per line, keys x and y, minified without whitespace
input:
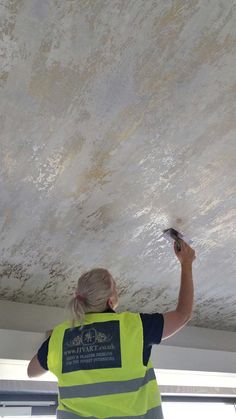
{"x":80,"y":297}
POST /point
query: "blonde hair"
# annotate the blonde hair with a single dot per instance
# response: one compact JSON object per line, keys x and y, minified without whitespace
{"x":94,"y":288}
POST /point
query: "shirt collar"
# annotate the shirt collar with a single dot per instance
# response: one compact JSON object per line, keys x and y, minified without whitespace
{"x":109,"y":310}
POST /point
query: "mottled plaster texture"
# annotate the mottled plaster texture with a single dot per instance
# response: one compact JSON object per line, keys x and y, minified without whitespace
{"x":117,"y":121}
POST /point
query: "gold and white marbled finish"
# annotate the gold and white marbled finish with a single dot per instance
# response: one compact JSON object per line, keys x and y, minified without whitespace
{"x":118,"y":120}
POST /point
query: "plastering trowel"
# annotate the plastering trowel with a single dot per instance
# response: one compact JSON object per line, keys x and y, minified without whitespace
{"x":171,"y":234}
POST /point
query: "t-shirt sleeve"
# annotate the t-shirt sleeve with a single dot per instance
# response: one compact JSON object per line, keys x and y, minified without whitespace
{"x":42,"y":354}
{"x":152,"y":328}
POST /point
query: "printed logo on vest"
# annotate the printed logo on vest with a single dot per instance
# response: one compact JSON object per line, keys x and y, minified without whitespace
{"x":92,"y":346}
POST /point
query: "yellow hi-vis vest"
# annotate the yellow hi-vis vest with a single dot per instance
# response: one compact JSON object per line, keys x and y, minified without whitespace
{"x":100,"y":369}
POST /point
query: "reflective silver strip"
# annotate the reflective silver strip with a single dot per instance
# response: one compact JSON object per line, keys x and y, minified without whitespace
{"x":103,"y":389}
{"x":155,"y":413}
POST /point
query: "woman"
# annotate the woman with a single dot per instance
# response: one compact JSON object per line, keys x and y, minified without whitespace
{"x":103,"y":362}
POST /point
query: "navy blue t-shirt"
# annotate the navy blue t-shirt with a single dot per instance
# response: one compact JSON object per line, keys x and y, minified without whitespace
{"x":152,"y":333}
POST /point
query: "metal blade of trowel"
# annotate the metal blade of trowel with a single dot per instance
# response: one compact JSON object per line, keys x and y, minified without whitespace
{"x":171,"y":234}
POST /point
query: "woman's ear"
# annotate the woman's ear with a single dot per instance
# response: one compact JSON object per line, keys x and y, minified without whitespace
{"x":110,"y":303}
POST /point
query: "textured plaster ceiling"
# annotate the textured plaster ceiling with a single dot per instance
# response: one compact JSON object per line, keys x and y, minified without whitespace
{"x":118,"y":120}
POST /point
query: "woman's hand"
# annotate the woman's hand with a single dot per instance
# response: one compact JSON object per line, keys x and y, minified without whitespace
{"x":186,"y":254}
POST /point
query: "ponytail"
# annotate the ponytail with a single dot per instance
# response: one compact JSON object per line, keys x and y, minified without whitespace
{"x":77,"y":309}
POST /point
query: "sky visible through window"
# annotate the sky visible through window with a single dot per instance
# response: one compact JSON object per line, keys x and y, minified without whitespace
{"x":180,"y":410}
{"x":28,"y":417}
{"x":196,"y":410}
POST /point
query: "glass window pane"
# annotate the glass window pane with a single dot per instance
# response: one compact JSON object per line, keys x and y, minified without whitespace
{"x":195,"y":410}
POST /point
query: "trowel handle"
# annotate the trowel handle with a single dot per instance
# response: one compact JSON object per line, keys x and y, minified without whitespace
{"x":178,"y":245}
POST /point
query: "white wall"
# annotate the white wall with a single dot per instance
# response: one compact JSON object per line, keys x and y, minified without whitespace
{"x":22,"y":329}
